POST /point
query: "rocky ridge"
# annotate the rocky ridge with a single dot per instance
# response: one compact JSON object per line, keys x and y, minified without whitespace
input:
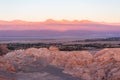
{"x":103,"y":65}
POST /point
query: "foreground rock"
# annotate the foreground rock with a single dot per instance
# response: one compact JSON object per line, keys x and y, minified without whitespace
{"x":46,"y":64}
{"x":31,"y":64}
{"x":108,"y":64}
{"x":105,"y":65}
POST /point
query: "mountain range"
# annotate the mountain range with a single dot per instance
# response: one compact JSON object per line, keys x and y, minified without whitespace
{"x":59,"y":29}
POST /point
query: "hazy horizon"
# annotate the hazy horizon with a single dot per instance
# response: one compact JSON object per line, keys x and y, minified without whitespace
{"x":59,"y":18}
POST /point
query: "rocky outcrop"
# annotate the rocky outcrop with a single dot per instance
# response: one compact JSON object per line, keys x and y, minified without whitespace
{"x":53,"y":48}
{"x":108,"y":63}
{"x":103,"y":65}
{"x":7,"y":67}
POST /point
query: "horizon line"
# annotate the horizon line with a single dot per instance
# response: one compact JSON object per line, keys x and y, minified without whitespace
{"x":69,"y":20}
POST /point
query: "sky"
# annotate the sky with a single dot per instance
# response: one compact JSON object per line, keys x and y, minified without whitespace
{"x":40,"y":10}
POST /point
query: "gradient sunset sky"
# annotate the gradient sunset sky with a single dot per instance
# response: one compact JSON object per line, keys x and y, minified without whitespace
{"x":40,"y":10}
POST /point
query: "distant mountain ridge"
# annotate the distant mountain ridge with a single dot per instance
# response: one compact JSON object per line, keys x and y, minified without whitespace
{"x":59,"y":29}
{"x":62,"y":25}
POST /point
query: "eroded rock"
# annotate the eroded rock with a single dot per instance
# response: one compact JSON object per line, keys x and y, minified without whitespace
{"x":104,"y":65}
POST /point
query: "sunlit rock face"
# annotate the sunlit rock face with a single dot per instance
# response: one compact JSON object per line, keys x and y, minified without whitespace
{"x":24,"y":60}
{"x":108,"y":61}
{"x":53,"y":48}
{"x":31,"y":62}
{"x":103,"y":65}
{"x":67,"y":59}
{"x":7,"y":67}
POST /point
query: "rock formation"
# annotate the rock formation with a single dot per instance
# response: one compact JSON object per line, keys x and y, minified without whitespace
{"x":53,"y":48}
{"x":103,"y":65}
